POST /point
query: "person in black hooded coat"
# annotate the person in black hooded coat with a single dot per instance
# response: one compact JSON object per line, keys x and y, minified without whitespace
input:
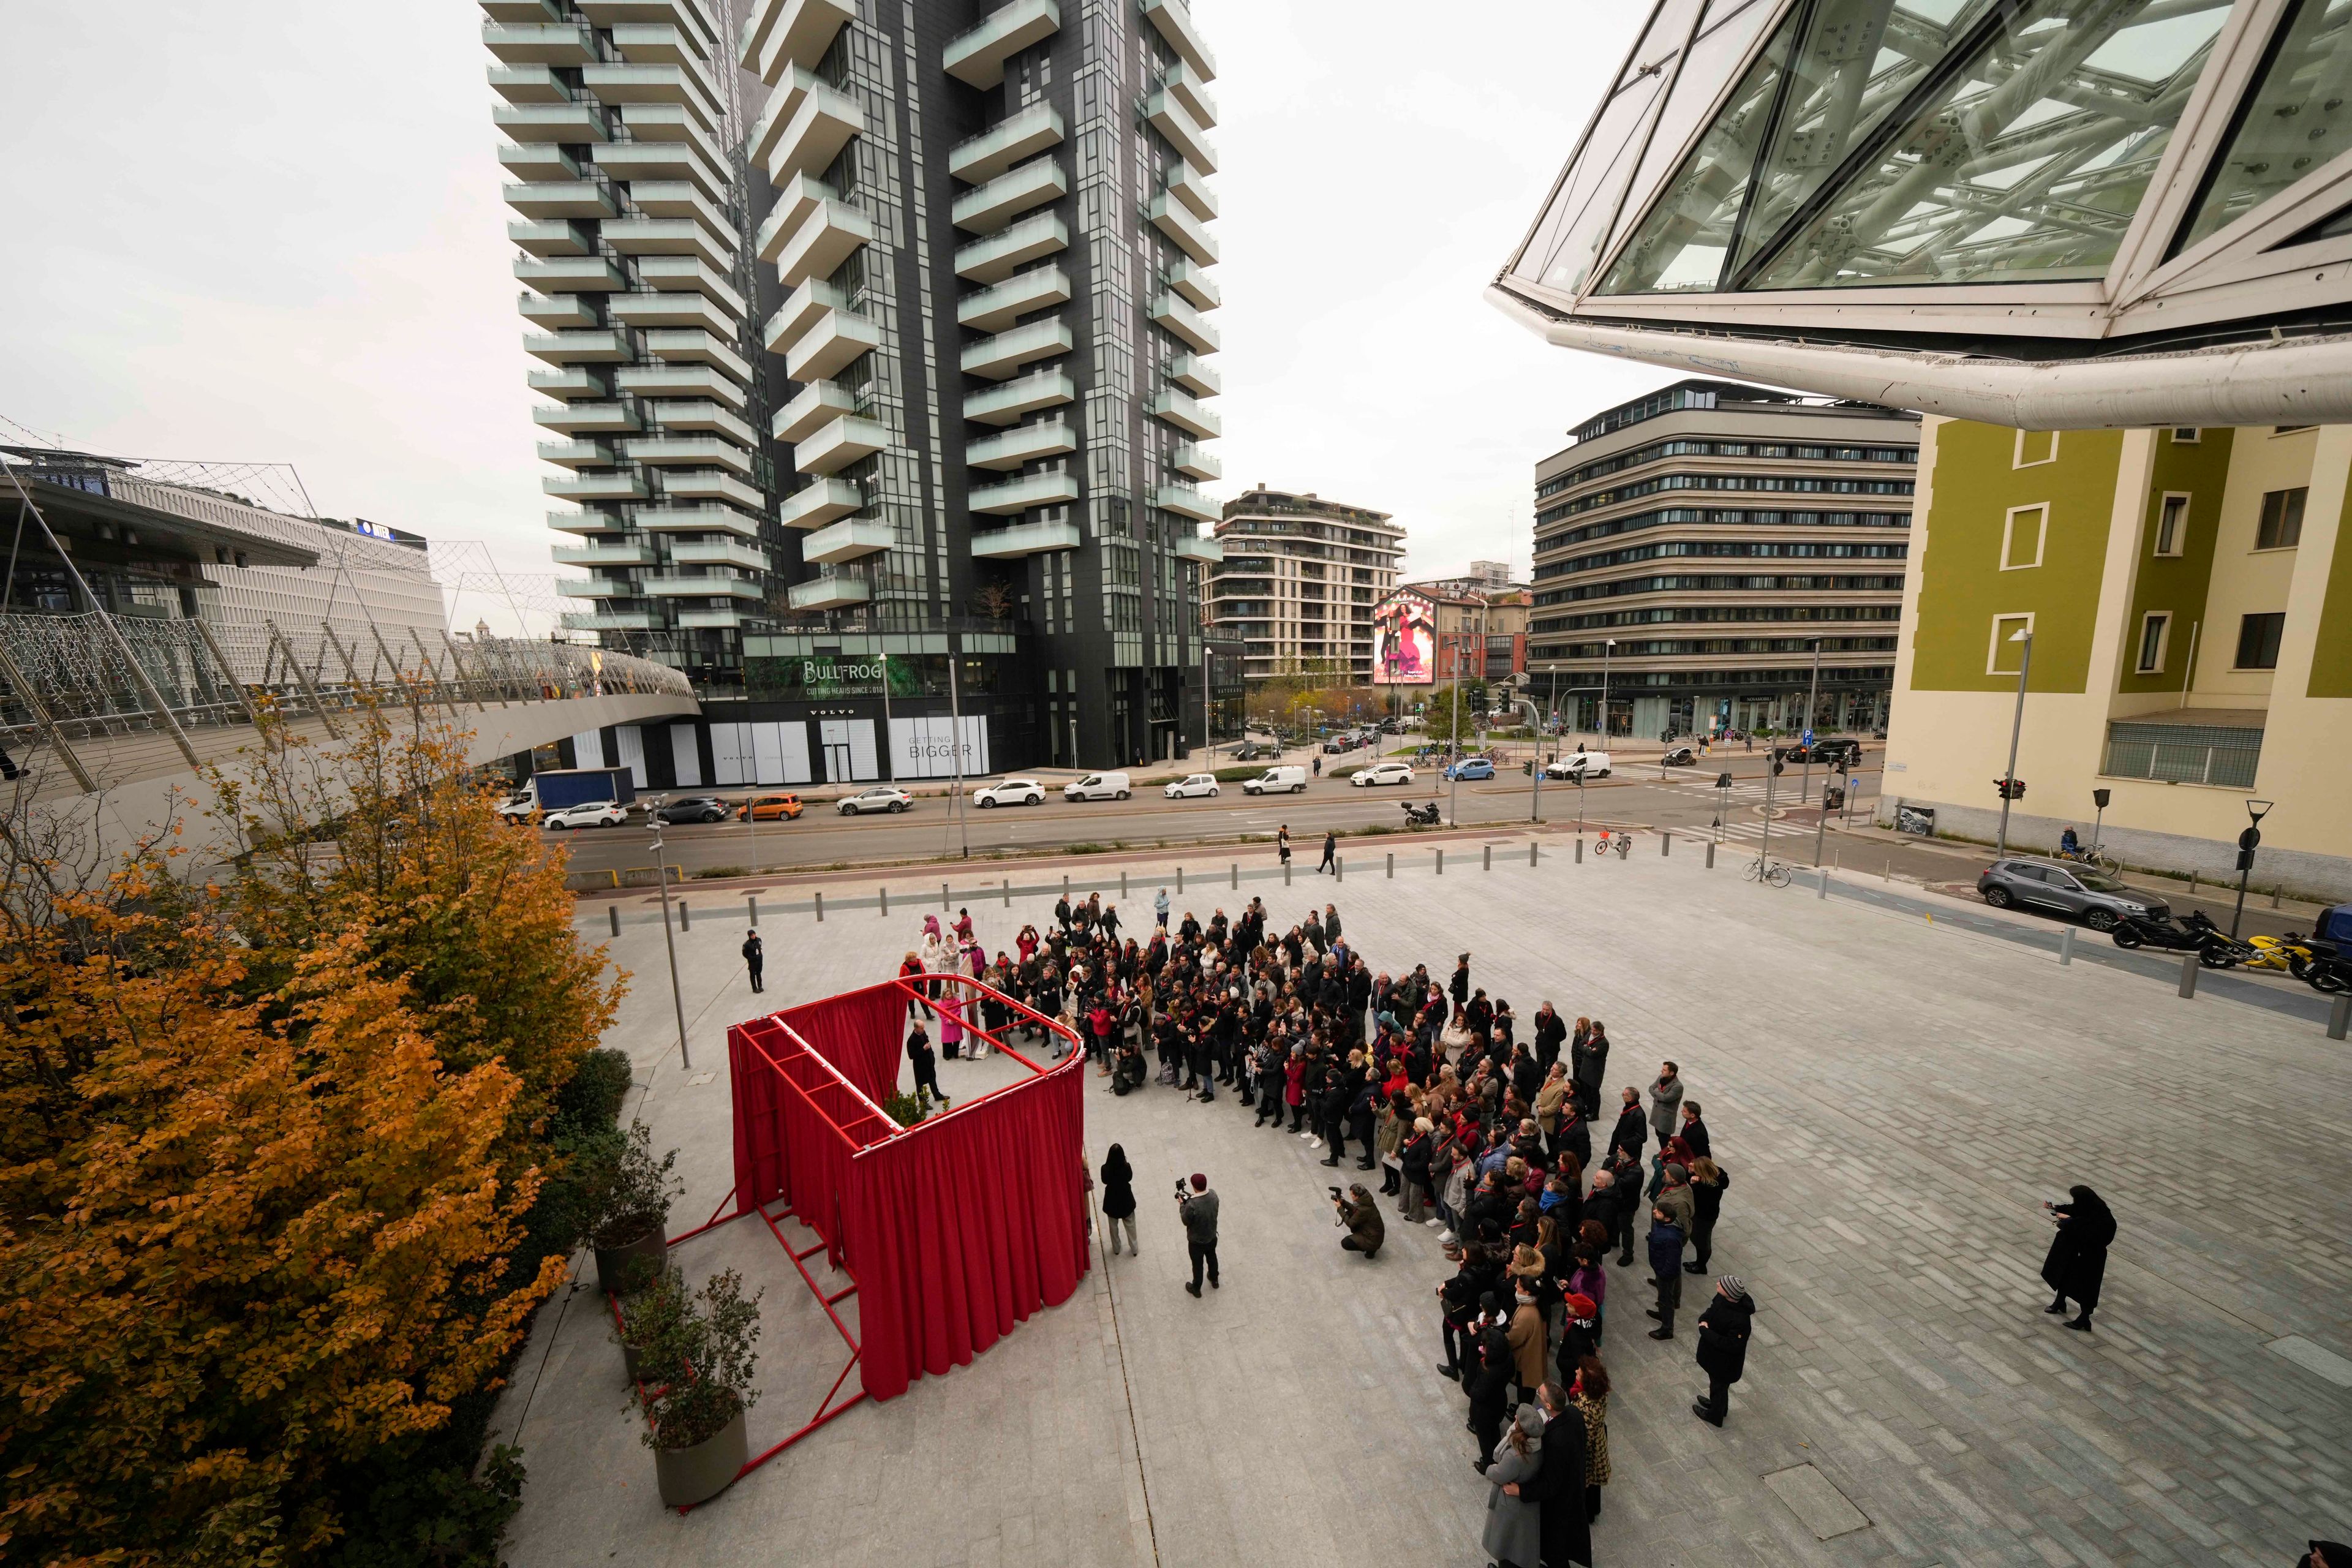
{"x":1559,"y":1486}
{"x":2077,"y":1261}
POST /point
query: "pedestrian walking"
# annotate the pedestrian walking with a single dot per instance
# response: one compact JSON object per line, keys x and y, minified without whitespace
{"x":1723,"y":1331}
{"x":2077,"y":1261}
{"x":1330,"y":854}
{"x":755,"y":958}
{"x":1118,"y":1200}
{"x":1198,"y":1210}
{"x":1282,"y":843}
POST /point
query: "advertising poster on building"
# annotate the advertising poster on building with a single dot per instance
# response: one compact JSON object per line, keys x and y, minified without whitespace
{"x":925,"y":747}
{"x":1403,"y":641}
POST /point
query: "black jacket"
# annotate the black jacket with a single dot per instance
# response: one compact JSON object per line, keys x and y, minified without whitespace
{"x":1560,"y":1489}
{"x":1707,"y":1199}
{"x":1693,"y":1133}
{"x":1723,"y":1336}
{"x":1633,"y":1132}
{"x":1551,"y":1034}
{"x":1497,"y":1371}
{"x":1118,"y":1187}
{"x":1461,"y":987}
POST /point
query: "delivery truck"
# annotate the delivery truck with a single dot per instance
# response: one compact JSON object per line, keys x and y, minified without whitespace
{"x":560,"y":787}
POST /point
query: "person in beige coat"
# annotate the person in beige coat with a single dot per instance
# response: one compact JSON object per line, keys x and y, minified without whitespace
{"x":1554,"y":1094}
{"x":1529,"y":1347}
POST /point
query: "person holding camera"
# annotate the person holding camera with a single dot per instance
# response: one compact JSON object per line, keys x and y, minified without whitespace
{"x":1361,"y":1216}
{"x":1198,"y":1210}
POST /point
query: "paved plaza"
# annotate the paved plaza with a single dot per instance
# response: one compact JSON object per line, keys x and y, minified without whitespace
{"x":1893,"y":1097}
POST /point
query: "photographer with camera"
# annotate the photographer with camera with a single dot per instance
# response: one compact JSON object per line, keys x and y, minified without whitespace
{"x":1198,"y":1210}
{"x":1361,"y":1216}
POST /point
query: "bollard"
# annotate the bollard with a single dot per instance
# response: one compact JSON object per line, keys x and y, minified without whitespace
{"x":1490,"y":859}
{"x":1392,"y":865}
{"x":1180,"y":880}
{"x":2066,"y":945}
{"x":1008,"y":892}
{"x":2277,"y":893}
{"x":1887,"y":875}
{"x":1579,"y":851}
{"x":1122,"y":884}
{"x":2189,"y":975}
{"x":751,"y":901}
{"x":944,"y":896}
{"x":1821,"y":884}
{"x":615,"y":910}
{"x":1237,"y":875}
{"x":1065,"y":886}
{"x":884,"y":893}
{"x":685,"y":916}
{"x":1710,"y":855}
{"x":1286,"y":873}
{"x":2339,"y":1019}
{"x":1531,"y":852}
{"x":1665,"y":843}
{"x":820,"y":905}
{"x":2192,"y":884}
{"x":1441,"y":862}
{"x":1339,"y":868}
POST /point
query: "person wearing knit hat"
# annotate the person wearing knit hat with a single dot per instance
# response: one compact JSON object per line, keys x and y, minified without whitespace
{"x":1723,"y":1330}
{"x":2327,"y":1554}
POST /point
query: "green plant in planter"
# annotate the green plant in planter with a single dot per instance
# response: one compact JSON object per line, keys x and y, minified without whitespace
{"x":630,"y":1190}
{"x":697,"y":1357}
{"x":906,"y":1110}
{"x":653,"y":1303}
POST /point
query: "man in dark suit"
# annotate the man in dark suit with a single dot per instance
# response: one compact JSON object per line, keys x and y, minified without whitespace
{"x":1462,"y":981}
{"x":1559,"y":1485}
{"x":1199,"y":1213}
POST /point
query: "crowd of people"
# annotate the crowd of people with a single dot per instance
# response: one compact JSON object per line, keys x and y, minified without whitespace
{"x":1483,"y":1128}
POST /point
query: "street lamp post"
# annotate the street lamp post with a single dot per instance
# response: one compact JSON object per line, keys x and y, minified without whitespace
{"x":669,"y":940}
{"x":2016,"y":729}
{"x":2099,"y":798}
{"x":1805,"y":731}
{"x":955,"y":752}
{"x":1606,"y":644}
{"x":2248,"y":842}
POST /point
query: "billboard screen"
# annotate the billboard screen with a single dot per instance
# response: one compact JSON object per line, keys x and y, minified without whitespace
{"x":1403,"y":641}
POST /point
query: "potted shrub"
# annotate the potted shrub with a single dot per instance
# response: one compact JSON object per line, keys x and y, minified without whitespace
{"x":695,"y":1368}
{"x":629,"y":1196}
{"x":650,"y":1302}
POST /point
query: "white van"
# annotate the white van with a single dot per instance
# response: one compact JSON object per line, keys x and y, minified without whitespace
{"x":1591,"y":764}
{"x":1097,"y":786}
{"x":1277,"y":780}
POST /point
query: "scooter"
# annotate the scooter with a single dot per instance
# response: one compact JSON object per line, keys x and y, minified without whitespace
{"x":2197,"y":935}
{"x":2221,"y":950}
{"x":1421,"y":816}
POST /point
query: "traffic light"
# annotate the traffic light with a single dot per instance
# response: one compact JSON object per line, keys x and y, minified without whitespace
{"x":1778,"y":766}
{"x":2009,"y":789}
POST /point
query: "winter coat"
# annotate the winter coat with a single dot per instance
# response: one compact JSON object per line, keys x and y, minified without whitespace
{"x":2077,"y":1261}
{"x":1666,"y":1106}
{"x":1666,"y":1249}
{"x":1118,"y":1187}
{"x":1549,"y":1100}
{"x":1559,"y":1492}
{"x":1527,"y":1344}
{"x":1589,"y":1063}
{"x":1595,"y":1411}
{"x":1631,"y":1133}
{"x":1707,"y":1200}
{"x":1365,"y":1225}
{"x":1678,"y":1204}
{"x":1694,"y":1134}
{"x":1389,"y":1138}
{"x":1294,"y":1075}
{"x":1515,"y":1524}
{"x":1414,"y":1158}
{"x":1723,"y":1336}
{"x":1550,"y":1035}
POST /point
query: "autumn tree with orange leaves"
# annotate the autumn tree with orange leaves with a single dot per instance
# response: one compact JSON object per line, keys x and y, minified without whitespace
{"x":271,"y":1149}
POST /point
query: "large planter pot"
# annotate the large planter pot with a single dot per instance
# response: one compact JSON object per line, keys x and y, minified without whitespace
{"x":629,"y":1363}
{"x":611,"y":1262}
{"x":690,"y":1475}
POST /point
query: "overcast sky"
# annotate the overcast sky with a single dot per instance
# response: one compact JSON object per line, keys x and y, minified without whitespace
{"x":272,"y":231}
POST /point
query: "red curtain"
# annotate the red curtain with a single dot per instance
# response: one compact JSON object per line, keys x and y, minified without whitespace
{"x":960,"y":1229}
{"x":863,"y":1033}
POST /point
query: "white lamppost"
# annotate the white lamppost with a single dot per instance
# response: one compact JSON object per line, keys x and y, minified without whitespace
{"x":2024,"y":635}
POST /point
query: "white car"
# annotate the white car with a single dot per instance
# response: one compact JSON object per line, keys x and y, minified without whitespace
{"x":594,"y":814}
{"x":1586,"y":764}
{"x":1381,"y":774}
{"x":1010,"y":792}
{"x":881,"y":797}
{"x":1193,"y":785}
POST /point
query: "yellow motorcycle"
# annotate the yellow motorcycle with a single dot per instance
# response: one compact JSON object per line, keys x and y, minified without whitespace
{"x":2285,"y":955}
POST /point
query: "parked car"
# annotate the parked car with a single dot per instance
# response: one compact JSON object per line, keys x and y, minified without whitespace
{"x":1382,"y":773}
{"x":2072,"y":892}
{"x":1097,"y":786}
{"x":881,"y":797}
{"x":1255,"y":751}
{"x":1679,"y":757}
{"x":1338,"y":743}
{"x":1586,"y":764}
{"x":1010,"y":792}
{"x":1193,"y":785}
{"x":1470,"y":768}
{"x":694,"y":808}
{"x":770,"y":808}
{"x":593,"y":813}
{"x":1837,"y":749}
{"x":1291,"y":780}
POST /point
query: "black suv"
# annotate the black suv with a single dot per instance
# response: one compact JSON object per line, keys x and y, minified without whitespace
{"x":1255,"y":751}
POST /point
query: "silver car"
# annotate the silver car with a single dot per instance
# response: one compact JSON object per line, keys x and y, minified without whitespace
{"x":2072,"y":892}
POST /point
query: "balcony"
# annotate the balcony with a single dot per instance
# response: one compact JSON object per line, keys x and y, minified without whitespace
{"x":988,"y":208}
{"x":1187,"y":501}
{"x":1004,"y":405}
{"x":604,"y":418}
{"x":779,"y":34}
{"x":706,"y":416}
{"x":978,"y":56}
{"x":1166,"y":114}
{"x":595,"y":487}
{"x":1180,"y":410}
{"x":597,"y":588}
{"x":1174,"y":23}
{"x":818,"y":404}
{"x":576,"y":454}
{"x":588,"y":523}
{"x":1174,"y":219}
{"x":1023,"y":539}
{"x":572,"y":274}
{"x":784,"y":101}
{"x":568,"y":383}
{"x":529,"y":161}
{"x":847,"y":540}
{"x":667,"y":236}
{"x":555,"y":311}
{"x":711,"y":484}
{"x":1188,"y":279}
{"x":725,"y":619}
{"x":539,"y":44}
{"x":1183,"y":323}
{"x":671,"y":310}
{"x":1019,"y":495}
{"x":682,"y":198}
{"x":1191,"y":90}
{"x":826,"y":238}
{"x":673,"y":123}
{"x":604,"y":554}
{"x":819,"y":130}
{"x":658,"y":44}
{"x":718,"y":553}
{"x":1003,"y":355}
{"x":800,"y":311}
{"x":1200,"y":547}
{"x":696,"y":520}
{"x":1022,"y":444}
{"x":685,"y":274}
{"x":1188,"y":186}
{"x":681,"y":380}
{"x":829,"y":592}
{"x":680,"y":85}
{"x":993,"y":309}
{"x":681,"y":451}
{"x":713,"y":585}
{"x":834,"y":342}
{"x":1194,"y":375}
{"x":998,"y":257}
{"x":616,"y":621}
{"x":662,"y":161}
{"x":1195,"y":464}
{"x":565,"y":122}
{"x":528,"y":84}
{"x":555,"y":237}
{"x":1023,"y":134}
{"x":695,"y":346}
{"x":834,"y":447}
{"x":822,"y":501}
{"x":600,"y":346}
{"x":521,"y":10}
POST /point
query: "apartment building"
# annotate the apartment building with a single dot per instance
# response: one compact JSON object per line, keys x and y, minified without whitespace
{"x":1696,"y":549}
{"x":1300,"y":579}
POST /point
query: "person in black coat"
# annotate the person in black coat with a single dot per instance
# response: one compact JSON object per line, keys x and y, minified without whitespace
{"x":1491,"y":1379}
{"x":1707,"y":1182}
{"x":1694,"y":1132}
{"x":1118,"y":1200}
{"x":1632,"y":1128}
{"x":2077,"y":1261}
{"x":1589,"y":1065}
{"x":1559,"y":1485}
{"x":1723,"y":1331}
{"x":1334,"y":1110}
{"x":1552,"y":1033}
{"x":1460,"y":986}
{"x":1362,"y":1111}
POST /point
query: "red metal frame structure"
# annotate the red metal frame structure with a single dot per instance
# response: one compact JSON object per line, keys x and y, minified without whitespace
{"x":813,"y":1143}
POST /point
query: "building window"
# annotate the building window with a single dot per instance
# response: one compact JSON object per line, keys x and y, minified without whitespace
{"x":2282,"y":524}
{"x":2154,"y":628}
{"x":2258,"y":640}
{"x":2020,"y":537}
{"x":2005,"y":652}
{"x":2172,"y":525}
{"x":2184,"y":435}
{"x":2036,"y":446}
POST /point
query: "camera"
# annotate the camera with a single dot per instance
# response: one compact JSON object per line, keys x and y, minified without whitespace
{"x":1334,"y":1192}
{"x":1183,"y":1189}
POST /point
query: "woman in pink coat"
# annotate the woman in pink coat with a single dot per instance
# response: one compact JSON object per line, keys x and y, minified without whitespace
{"x":951,"y":1025}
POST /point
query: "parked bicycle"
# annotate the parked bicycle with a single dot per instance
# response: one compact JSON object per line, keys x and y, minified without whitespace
{"x":1759,"y":871}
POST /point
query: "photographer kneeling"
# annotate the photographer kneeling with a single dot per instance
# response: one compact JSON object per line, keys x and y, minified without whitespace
{"x":1362,"y":1216}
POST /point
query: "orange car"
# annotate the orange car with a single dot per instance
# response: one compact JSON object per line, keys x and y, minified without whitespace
{"x":768,"y":807}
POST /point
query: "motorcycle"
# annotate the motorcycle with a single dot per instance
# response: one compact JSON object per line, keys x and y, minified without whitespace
{"x":2330,"y":969}
{"x":2221,"y":950}
{"x":2198,"y":935}
{"x":1420,"y":815}
{"x":2283,"y":955}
